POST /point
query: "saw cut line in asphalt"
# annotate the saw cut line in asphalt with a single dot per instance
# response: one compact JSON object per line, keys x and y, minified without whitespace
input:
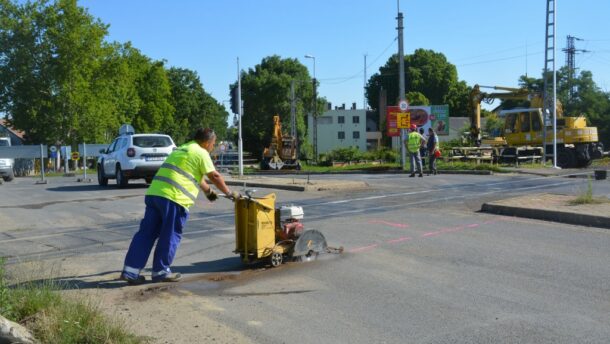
{"x":313,"y":217}
{"x":305,"y":205}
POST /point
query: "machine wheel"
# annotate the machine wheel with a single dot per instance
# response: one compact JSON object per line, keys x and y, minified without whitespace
{"x":10,"y":176}
{"x":276,"y":259}
{"x":566,"y":158}
{"x":121,"y":180}
{"x":309,"y":257}
{"x":101,"y":178}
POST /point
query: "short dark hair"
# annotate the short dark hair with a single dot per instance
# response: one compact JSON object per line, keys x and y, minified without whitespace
{"x":204,"y":135}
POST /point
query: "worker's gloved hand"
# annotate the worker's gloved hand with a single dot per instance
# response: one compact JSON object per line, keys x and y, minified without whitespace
{"x":211,"y":195}
{"x":234,"y":195}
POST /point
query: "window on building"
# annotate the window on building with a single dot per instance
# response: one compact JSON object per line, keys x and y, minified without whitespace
{"x":355,"y":119}
{"x":356,"y":135}
{"x":341,"y":119}
{"x":341,"y":135}
{"x":325,"y":120}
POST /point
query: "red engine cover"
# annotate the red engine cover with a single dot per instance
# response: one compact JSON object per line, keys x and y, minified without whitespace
{"x":291,"y":230}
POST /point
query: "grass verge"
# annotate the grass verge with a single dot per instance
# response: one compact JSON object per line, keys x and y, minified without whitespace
{"x":51,"y":318}
{"x":587,"y":197}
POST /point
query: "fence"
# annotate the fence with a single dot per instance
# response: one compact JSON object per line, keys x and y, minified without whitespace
{"x":23,"y":156}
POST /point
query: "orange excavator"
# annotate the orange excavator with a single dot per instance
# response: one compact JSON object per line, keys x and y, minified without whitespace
{"x":282,"y":153}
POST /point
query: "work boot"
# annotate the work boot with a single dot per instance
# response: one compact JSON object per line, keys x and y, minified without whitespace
{"x":170,"y":277}
{"x":435,"y":172}
{"x":421,"y":174}
{"x":412,"y":175}
{"x":133,"y":281}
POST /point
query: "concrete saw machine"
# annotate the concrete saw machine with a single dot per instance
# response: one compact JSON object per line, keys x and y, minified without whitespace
{"x":275,"y":235}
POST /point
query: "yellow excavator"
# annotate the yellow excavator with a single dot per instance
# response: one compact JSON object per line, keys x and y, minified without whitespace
{"x":282,"y":153}
{"x":577,"y":144}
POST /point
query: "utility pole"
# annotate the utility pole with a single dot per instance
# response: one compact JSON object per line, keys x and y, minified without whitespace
{"x":550,"y":98}
{"x":240,"y":149}
{"x":571,"y":52}
{"x":364,"y":94}
{"x":401,"y":84}
{"x":293,"y":117}
{"x":315,"y":109}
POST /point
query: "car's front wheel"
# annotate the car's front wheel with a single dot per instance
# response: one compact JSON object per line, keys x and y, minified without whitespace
{"x":101,"y":178}
{"x":10,"y":176}
{"x":121,"y":180}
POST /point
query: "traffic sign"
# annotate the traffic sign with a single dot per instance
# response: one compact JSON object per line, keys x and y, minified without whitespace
{"x":75,"y":156}
{"x":53,"y":149}
{"x":403,"y":120}
{"x":403,"y":105}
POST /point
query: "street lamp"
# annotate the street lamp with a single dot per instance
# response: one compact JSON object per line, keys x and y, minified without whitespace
{"x":315,"y":103}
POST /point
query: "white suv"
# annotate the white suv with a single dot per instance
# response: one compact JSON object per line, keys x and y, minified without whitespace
{"x":6,"y":165}
{"x":133,"y":156}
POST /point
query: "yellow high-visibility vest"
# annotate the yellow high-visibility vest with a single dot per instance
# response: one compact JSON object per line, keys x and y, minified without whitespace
{"x":179,"y":176}
{"x":414,"y":142}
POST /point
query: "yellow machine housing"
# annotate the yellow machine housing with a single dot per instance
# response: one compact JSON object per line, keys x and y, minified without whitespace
{"x":578,"y":144}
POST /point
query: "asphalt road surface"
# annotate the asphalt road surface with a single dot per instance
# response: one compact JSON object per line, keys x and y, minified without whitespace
{"x":421,"y":264}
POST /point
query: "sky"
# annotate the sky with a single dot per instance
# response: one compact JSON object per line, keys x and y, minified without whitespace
{"x":491,"y":42}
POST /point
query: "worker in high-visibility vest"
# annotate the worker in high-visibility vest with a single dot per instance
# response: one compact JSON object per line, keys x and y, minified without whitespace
{"x":174,"y":189}
{"x":414,"y":142}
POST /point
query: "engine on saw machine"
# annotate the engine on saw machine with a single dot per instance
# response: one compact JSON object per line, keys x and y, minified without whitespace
{"x":289,"y":226}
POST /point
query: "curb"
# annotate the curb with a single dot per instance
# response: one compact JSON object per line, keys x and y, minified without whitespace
{"x":548,"y":215}
{"x":473,"y":172}
{"x":265,"y":185}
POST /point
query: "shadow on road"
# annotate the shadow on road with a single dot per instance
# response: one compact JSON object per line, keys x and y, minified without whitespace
{"x":94,"y":187}
{"x":230,"y":264}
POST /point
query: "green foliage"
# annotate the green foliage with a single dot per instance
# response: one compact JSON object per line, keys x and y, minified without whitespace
{"x":494,"y":124}
{"x":587,"y":196}
{"x":194,"y":107}
{"x":53,"y":319}
{"x":266,"y":93}
{"x":347,"y":154}
{"x":62,"y":83}
{"x":6,"y":307}
{"x":417,"y":98}
{"x":426,"y":72}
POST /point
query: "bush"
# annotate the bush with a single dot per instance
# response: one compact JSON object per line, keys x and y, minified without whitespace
{"x":345,"y":154}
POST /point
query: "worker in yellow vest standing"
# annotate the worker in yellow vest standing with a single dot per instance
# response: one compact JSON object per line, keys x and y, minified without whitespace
{"x":414,"y":142}
{"x":174,"y":189}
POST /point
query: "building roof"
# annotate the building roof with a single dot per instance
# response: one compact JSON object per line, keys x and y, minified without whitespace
{"x":20,"y":134}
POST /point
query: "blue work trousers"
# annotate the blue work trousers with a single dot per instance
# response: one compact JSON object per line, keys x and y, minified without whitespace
{"x":163,"y":221}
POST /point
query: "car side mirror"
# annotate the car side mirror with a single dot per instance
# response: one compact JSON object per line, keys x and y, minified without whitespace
{"x":103,"y":151}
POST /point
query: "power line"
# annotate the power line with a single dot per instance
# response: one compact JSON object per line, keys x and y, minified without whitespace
{"x":499,"y":59}
{"x":498,"y":51}
{"x":340,"y":80}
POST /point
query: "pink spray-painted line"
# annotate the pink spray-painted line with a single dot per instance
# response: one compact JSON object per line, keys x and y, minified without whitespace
{"x":398,"y":240}
{"x":391,"y":224}
{"x":363,"y":248}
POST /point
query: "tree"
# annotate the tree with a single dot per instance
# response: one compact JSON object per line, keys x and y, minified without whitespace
{"x":194,"y":106}
{"x":426,"y":72}
{"x":48,"y":54}
{"x":417,"y":98}
{"x":266,"y":92}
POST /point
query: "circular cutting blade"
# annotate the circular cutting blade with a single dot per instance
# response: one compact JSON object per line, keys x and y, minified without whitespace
{"x":311,"y":241}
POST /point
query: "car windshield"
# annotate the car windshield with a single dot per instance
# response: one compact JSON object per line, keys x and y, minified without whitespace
{"x":152,"y":141}
{"x":3,"y":143}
